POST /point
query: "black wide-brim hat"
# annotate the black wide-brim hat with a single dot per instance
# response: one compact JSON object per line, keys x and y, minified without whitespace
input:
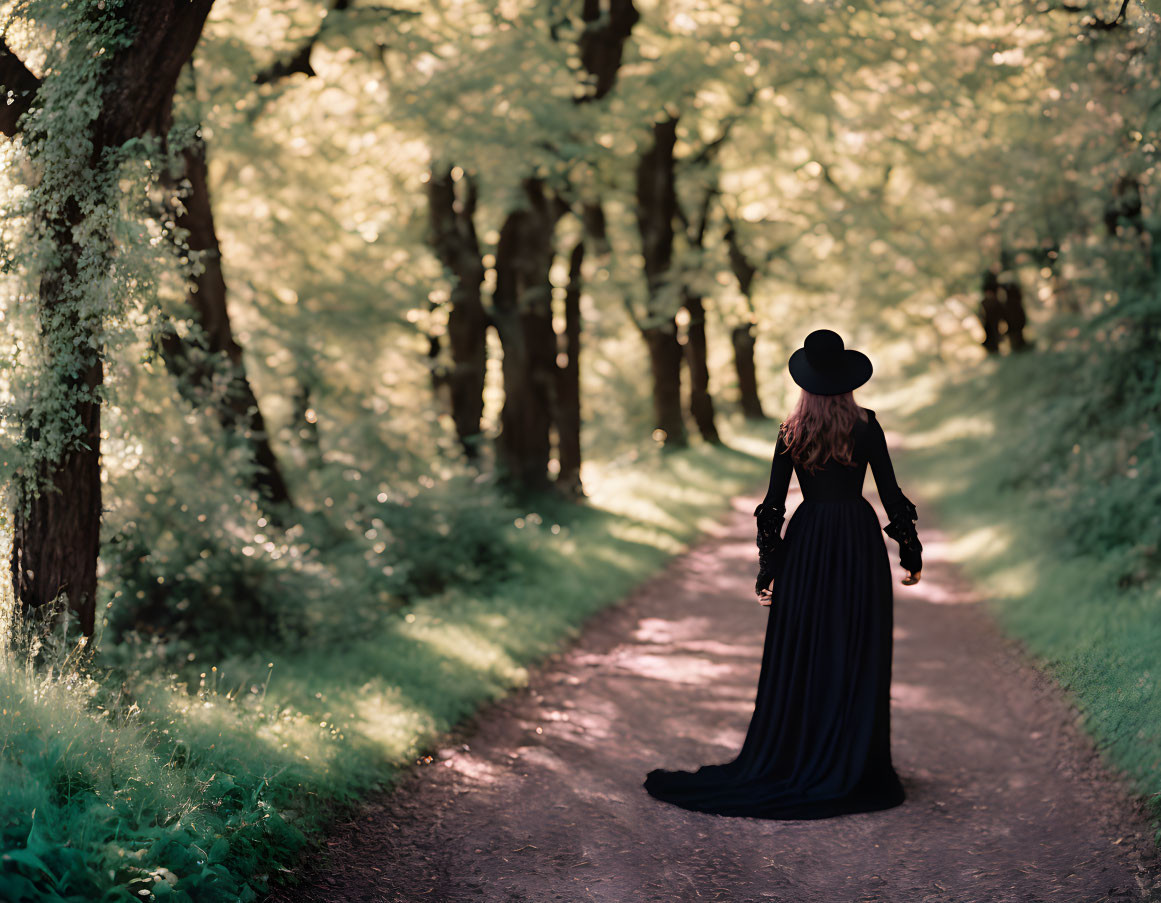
{"x":823,"y":366}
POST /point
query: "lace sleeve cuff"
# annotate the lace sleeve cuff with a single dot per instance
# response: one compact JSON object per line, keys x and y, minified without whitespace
{"x":769,"y":541}
{"x":902,"y":515}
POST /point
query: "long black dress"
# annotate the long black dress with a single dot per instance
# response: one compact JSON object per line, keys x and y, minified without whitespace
{"x":818,"y":743}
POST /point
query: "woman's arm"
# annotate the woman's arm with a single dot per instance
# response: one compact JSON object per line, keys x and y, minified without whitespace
{"x":770,"y":514}
{"x":781,"y":468}
{"x":901,"y":512}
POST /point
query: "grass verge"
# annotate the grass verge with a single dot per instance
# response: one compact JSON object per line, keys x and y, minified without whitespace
{"x":1099,"y":636}
{"x":125,"y":786}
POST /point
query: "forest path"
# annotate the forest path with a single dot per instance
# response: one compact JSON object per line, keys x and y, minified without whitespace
{"x":540,"y":797}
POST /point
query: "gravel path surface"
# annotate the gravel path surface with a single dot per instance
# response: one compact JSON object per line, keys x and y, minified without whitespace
{"x":539,"y":798}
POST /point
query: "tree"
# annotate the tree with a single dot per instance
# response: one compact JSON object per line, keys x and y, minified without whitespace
{"x":656,"y":209}
{"x":602,"y":48}
{"x":742,"y":335}
{"x":106,"y":88}
{"x":522,"y":314}
{"x":453,"y":237}
{"x":701,"y":404}
{"x":568,"y":391}
{"x":194,"y":359}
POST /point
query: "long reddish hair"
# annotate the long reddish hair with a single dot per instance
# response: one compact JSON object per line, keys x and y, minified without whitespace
{"x":820,"y":429}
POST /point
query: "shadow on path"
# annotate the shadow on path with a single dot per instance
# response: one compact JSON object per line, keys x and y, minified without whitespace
{"x":540,"y":799}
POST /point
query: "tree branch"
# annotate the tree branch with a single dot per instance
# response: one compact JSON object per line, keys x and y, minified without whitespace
{"x":299,"y":60}
{"x":1099,"y":24}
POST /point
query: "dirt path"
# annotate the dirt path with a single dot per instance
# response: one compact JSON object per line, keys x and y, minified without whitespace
{"x":540,"y":798}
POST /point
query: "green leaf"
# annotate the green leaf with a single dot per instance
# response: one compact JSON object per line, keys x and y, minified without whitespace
{"x":219,"y":850}
{"x":16,"y":888}
{"x":28,"y":859}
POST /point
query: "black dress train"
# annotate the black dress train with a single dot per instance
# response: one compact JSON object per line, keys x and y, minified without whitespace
{"x":818,"y":743}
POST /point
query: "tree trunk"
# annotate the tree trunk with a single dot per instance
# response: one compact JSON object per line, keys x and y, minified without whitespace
{"x":56,"y":533}
{"x":603,"y":42}
{"x":440,"y":375}
{"x":237,"y":409}
{"x":991,"y":313}
{"x":701,"y":403}
{"x":568,"y":413}
{"x":656,"y":207}
{"x":453,"y":237}
{"x":742,"y":336}
{"x":665,"y":356}
{"x":522,"y":314}
{"x":595,"y":228}
{"x":57,"y":529}
{"x":1015,"y":317}
{"x":601,"y":49}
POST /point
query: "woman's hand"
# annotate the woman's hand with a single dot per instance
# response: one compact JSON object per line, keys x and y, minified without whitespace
{"x":912,"y":578}
{"x":766,"y":595}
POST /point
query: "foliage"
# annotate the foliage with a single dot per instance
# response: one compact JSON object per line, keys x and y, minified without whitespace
{"x":193,"y":562}
{"x":1093,"y":453}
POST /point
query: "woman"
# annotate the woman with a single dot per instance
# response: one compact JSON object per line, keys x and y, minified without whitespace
{"x":818,"y":743}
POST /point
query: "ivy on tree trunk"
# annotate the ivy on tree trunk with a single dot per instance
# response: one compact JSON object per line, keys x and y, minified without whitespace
{"x":57,"y":504}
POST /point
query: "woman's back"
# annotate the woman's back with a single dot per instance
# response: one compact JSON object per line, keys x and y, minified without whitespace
{"x":833,"y":480}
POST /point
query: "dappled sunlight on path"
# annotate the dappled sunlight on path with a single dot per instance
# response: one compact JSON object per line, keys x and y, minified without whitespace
{"x":540,"y":798}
